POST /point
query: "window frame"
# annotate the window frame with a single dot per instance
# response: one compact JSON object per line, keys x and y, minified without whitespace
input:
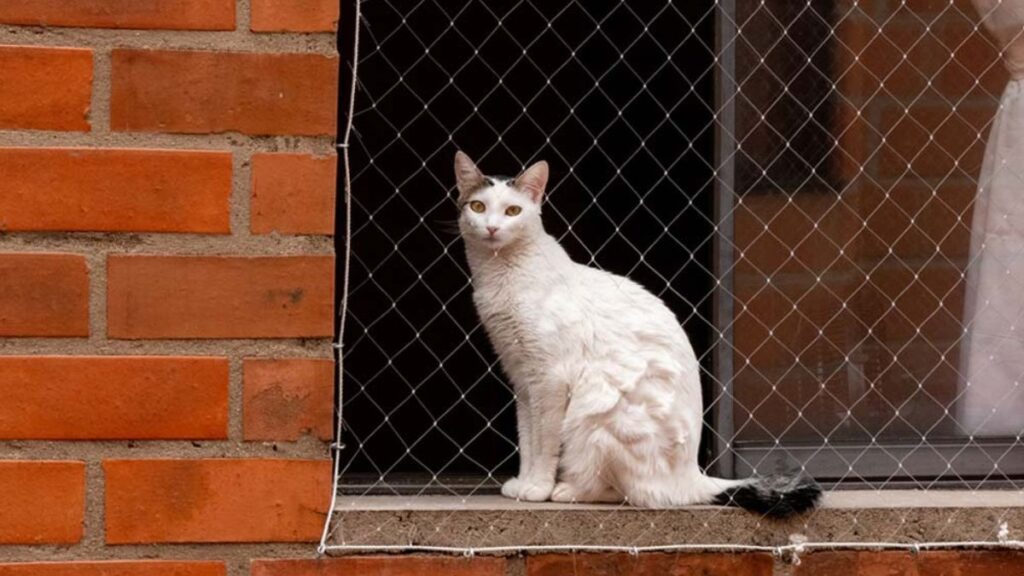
{"x":967,"y":461}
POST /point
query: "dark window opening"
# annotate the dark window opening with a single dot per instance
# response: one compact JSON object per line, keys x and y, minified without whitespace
{"x":624,"y":116}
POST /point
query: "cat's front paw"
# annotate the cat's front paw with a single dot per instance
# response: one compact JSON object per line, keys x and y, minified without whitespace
{"x":511,"y":488}
{"x":536,"y":491}
{"x":564,"y":492}
{"x":528,"y":490}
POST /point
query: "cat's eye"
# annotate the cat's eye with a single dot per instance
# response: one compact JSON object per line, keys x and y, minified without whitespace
{"x":477,"y":206}
{"x":513,"y":210}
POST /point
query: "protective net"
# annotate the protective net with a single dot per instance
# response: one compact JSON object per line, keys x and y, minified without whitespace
{"x":805,"y":184}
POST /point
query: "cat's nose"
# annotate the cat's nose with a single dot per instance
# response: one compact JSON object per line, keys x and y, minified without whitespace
{"x":492,"y":230}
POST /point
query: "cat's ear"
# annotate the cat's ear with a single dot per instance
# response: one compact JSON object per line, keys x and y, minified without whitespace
{"x":533,"y":180}
{"x":467,"y":176}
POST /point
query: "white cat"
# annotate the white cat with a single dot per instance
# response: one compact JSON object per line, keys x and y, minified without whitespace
{"x":607,"y":385}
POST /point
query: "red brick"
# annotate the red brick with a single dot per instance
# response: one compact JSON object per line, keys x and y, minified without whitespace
{"x":295,"y":15}
{"x":41,"y":502}
{"x":80,"y":189}
{"x":114,"y":568}
{"x":866,"y":58}
{"x":293,"y":194}
{"x":215,"y":500}
{"x":975,"y":67}
{"x":903,"y":56}
{"x":916,"y":10}
{"x":900,"y":59}
{"x":43,"y":295}
{"x":951,"y":53}
{"x":381,"y":566}
{"x":90,"y":397}
{"x":895,"y":371}
{"x":220,"y":297}
{"x":798,"y":403}
{"x":808,"y":233}
{"x":208,"y":92}
{"x":944,"y":563}
{"x":856,"y":140}
{"x":285,"y":399}
{"x":851,"y":563}
{"x":916,"y":220}
{"x":778,"y":324}
{"x":902,"y":64}
{"x":971,"y":562}
{"x":803,"y":403}
{"x":929,"y":301}
{"x":44,"y":88}
{"x":650,"y":564}
{"x":142,"y":14}
{"x":936,"y":140}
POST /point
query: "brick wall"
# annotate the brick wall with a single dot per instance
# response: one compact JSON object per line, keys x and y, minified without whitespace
{"x":167,"y":182}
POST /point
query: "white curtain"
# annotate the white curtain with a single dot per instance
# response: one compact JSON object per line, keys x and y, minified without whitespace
{"x":992,"y":361}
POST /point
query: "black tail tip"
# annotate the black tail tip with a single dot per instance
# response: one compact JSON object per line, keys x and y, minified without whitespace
{"x":779,"y":496}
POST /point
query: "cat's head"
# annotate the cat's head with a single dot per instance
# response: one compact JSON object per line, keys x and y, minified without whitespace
{"x":495,"y":211}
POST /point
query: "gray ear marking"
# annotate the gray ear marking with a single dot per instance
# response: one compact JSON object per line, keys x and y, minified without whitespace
{"x":467,"y":176}
{"x":534,"y":180}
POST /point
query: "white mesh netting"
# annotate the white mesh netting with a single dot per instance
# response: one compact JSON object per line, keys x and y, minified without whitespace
{"x":797,"y":180}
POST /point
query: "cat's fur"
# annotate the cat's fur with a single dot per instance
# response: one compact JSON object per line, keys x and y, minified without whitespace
{"x":607,"y":385}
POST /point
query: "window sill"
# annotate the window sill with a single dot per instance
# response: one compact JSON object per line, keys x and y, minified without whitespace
{"x":897,"y":516}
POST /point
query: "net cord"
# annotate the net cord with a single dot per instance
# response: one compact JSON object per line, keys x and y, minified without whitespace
{"x":343,"y":149}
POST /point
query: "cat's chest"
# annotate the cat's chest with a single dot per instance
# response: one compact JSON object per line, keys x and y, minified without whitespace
{"x":522,"y":317}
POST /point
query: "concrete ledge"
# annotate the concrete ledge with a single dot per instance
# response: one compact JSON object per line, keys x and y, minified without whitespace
{"x":897,"y":516}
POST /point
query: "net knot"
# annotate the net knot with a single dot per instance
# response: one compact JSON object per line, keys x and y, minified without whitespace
{"x":797,"y":547}
{"x":1004,"y":533}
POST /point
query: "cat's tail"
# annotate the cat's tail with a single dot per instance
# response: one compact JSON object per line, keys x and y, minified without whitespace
{"x":780,"y":495}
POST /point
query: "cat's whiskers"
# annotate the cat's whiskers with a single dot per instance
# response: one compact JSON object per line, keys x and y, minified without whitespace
{"x":449,"y":226}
